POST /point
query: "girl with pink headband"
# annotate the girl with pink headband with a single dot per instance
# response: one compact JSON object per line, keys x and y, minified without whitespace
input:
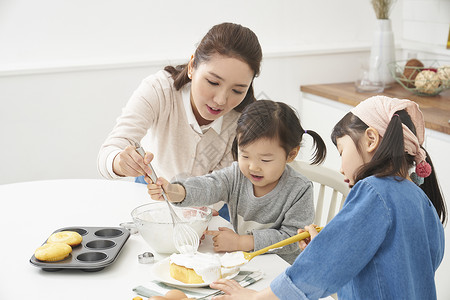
{"x":388,"y":239}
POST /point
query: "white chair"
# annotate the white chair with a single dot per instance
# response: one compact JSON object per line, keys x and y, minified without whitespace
{"x":327,"y":182}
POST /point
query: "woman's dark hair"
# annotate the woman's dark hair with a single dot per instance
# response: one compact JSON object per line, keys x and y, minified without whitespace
{"x":269,"y":119}
{"x":390,"y":158}
{"x":228,"y":39}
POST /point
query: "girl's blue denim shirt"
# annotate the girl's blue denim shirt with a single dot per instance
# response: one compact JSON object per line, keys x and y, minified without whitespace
{"x":385,"y":243}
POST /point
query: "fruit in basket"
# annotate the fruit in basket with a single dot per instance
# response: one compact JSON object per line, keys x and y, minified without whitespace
{"x":427,"y":82}
{"x":412,"y":68}
{"x":443,"y":73}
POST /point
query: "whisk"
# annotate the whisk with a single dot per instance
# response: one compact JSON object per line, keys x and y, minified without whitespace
{"x":185,"y":238}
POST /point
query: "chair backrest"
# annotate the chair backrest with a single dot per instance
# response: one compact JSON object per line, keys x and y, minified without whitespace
{"x":329,"y":183}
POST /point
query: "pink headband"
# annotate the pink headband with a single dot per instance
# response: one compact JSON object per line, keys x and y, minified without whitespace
{"x":377,"y":111}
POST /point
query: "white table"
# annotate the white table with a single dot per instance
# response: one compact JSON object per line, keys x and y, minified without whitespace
{"x":31,"y":211}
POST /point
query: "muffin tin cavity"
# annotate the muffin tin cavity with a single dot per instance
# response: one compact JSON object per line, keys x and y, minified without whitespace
{"x":109,"y":232}
{"x":81,"y":231}
{"x":100,"y":248}
{"x":92,"y":256}
{"x":100,"y":244}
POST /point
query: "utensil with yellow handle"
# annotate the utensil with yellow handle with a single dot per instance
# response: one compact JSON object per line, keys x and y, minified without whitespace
{"x":234,"y":259}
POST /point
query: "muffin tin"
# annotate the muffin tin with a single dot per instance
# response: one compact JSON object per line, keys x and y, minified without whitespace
{"x":99,"y":248}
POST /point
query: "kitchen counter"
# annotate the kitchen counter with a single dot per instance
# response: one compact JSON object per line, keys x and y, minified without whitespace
{"x":436,"y":109}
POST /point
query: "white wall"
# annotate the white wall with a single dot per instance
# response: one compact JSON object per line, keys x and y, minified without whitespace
{"x":67,"y":67}
{"x":426,"y":21}
{"x":51,"y":32}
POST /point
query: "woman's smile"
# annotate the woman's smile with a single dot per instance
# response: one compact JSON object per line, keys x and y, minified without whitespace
{"x":214,"y":111}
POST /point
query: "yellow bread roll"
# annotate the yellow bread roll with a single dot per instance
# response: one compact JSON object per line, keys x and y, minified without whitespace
{"x":71,"y":238}
{"x":53,"y":252}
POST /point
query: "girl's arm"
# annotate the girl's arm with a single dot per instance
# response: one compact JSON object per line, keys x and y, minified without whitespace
{"x":210,"y":188}
{"x":226,"y":240}
{"x":175,"y":192}
{"x":325,"y":265}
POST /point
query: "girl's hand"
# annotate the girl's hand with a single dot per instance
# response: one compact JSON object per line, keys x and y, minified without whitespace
{"x":232,"y":290}
{"x":226,"y":240}
{"x":312,"y":231}
{"x":130,"y":164}
{"x":155,"y":189}
{"x":175,"y":192}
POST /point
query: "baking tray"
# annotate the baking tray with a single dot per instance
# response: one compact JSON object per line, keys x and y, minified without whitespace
{"x":99,"y":248}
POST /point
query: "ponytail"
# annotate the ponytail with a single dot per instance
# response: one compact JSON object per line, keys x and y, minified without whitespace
{"x":179,"y":75}
{"x":389,"y":159}
{"x":320,"y":151}
{"x":432,"y":189}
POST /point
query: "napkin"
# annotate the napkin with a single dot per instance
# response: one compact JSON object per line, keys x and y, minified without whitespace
{"x":156,"y":288}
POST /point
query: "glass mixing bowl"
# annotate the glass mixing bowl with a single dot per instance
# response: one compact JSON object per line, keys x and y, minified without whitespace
{"x":154,"y":223}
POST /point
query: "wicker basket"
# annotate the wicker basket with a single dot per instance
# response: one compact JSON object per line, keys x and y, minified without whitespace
{"x":430,"y":87}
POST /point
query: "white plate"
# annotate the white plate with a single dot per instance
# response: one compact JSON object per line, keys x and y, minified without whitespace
{"x":161,"y":273}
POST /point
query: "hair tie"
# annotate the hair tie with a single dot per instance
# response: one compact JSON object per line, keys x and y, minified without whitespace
{"x":417,"y":179}
{"x":306,"y":131}
{"x":423,"y":170}
{"x":396,"y":115}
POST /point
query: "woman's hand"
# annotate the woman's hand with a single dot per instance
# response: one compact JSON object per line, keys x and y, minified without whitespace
{"x":130,"y":164}
{"x":312,"y":231}
{"x":225,"y":239}
{"x":175,"y":192}
{"x":234,"y":291}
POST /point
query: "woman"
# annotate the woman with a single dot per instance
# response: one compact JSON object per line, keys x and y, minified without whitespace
{"x":189,"y":111}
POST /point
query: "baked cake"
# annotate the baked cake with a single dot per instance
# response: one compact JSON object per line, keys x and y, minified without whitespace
{"x":195,"y":268}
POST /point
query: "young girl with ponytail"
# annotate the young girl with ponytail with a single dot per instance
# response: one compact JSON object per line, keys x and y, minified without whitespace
{"x":267,"y":199}
{"x":388,"y":239}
